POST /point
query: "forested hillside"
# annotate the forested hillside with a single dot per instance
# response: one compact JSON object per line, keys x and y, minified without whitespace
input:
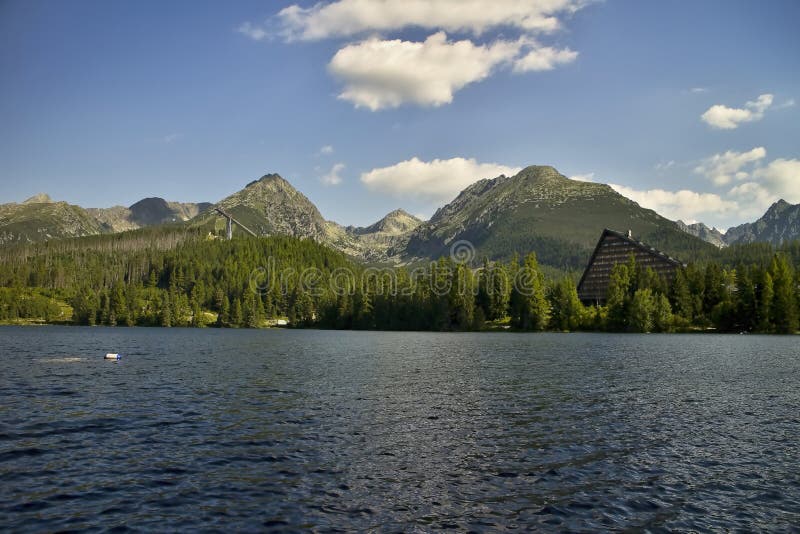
{"x":173,"y":277}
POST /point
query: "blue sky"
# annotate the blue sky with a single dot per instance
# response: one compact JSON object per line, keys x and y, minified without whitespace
{"x":687,"y":107}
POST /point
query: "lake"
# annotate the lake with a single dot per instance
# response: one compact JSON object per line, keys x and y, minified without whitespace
{"x":299,"y":429}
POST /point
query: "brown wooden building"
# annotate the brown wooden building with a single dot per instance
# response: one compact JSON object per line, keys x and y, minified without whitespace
{"x":614,"y":248}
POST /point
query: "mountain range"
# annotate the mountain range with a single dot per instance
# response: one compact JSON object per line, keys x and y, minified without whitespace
{"x":537,"y":209}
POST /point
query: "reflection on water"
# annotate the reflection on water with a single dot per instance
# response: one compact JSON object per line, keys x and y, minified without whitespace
{"x":290,"y":430}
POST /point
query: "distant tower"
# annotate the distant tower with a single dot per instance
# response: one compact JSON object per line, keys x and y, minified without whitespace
{"x":630,"y":234}
{"x":229,"y":227}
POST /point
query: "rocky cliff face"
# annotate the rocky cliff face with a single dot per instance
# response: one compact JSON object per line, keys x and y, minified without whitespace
{"x":781,"y":223}
{"x":709,"y":235}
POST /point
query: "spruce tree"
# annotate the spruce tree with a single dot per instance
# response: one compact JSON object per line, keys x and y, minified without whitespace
{"x":784,"y":304}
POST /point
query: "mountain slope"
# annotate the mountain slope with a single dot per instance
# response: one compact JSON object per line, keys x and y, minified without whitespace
{"x":271,"y":206}
{"x":40,"y":219}
{"x":391,"y":232}
{"x":146,"y":212}
{"x":396,"y":222}
{"x":780,"y":223}
{"x":541,"y":210}
{"x":709,"y":235}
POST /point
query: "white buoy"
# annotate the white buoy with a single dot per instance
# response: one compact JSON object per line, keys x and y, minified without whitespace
{"x":111,"y":356}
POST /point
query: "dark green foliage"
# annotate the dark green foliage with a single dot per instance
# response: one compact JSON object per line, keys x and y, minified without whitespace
{"x":173,"y":277}
{"x":566,"y":309}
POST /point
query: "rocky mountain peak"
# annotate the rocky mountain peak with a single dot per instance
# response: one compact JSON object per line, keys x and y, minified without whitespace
{"x":780,"y":224}
{"x":274,"y":180}
{"x":541,"y":172}
{"x":152,"y":210}
{"x":395,"y":222}
{"x":778,"y":207}
{"x":39,"y":198}
{"x":698,"y":229}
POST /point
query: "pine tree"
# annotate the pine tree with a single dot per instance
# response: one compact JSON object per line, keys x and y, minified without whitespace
{"x":533,"y":311}
{"x":166,"y":313}
{"x":223,"y":318}
{"x":236,"y":314}
{"x":617,"y":299}
{"x":681,"y":296}
{"x":784,"y":304}
{"x":764,"y":295}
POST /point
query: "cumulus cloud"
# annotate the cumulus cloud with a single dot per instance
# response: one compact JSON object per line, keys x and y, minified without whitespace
{"x":382,"y":74}
{"x":725,"y":118}
{"x":544,"y":58}
{"x":685,"y":205}
{"x":781,"y":177}
{"x":437,"y":181}
{"x":346,"y":18}
{"x":722,"y":169}
{"x":333,"y":176}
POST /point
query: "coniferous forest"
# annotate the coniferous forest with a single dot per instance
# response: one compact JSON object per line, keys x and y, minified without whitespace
{"x":172,"y":277}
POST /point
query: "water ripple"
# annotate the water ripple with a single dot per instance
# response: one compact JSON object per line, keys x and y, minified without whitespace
{"x":290,"y":431}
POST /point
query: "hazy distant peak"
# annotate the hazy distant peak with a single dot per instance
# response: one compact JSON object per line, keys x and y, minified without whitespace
{"x":396,"y":222}
{"x":39,"y":198}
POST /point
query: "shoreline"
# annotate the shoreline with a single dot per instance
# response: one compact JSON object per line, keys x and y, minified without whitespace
{"x":695,"y":331}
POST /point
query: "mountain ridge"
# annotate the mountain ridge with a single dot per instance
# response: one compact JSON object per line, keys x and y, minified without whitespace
{"x":542,"y":210}
{"x":537,"y":209}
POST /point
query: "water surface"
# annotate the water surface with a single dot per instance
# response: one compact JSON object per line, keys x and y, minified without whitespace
{"x":291,"y":430}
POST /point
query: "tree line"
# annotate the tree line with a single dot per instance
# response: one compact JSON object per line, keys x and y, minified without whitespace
{"x":196,"y":281}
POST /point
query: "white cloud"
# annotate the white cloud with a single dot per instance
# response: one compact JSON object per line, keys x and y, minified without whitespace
{"x":252,"y":31}
{"x":384,"y":74}
{"x":725,"y":118}
{"x":333,"y":177}
{"x":345,"y":18}
{"x":326,"y":150}
{"x":781,"y":177}
{"x":753,"y":198}
{"x":698,"y":90}
{"x":588,"y":177}
{"x":544,"y":58}
{"x":684,"y":205}
{"x":437,"y":181}
{"x":721,"y":169}
{"x":380,"y":74}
